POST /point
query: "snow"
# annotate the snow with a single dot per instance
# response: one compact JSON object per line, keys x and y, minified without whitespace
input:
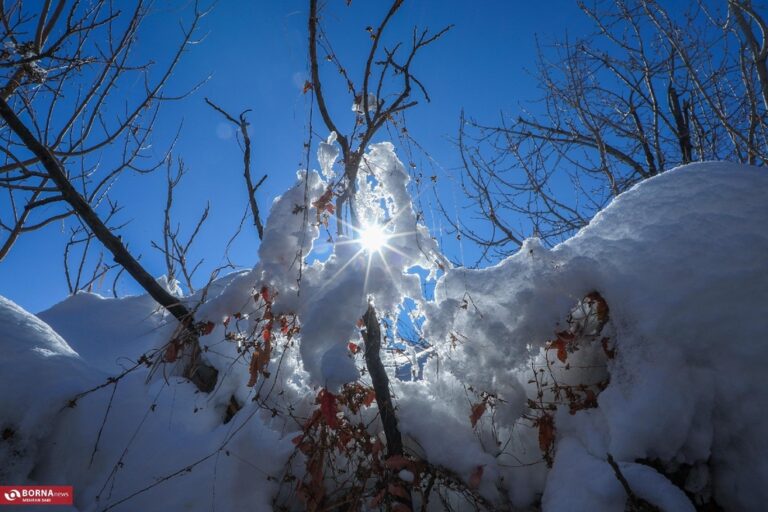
{"x":335,"y":292}
{"x":358,"y":104}
{"x":153,"y":432}
{"x":38,"y":370}
{"x":681,"y":260}
{"x":121,"y":440}
{"x":592,"y":484}
{"x":327,"y":153}
{"x":97,"y":340}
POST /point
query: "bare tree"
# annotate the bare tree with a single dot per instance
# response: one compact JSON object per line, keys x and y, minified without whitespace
{"x":61,"y":64}
{"x":375,"y":104}
{"x":373,"y":101}
{"x":648,"y":90}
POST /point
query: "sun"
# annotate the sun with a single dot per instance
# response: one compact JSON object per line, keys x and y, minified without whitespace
{"x":373,"y":238}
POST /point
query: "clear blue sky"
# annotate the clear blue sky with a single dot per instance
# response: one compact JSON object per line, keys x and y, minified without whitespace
{"x":256,"y":53}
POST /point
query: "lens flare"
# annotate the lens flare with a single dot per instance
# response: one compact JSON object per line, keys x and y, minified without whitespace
{"x":373,"y":238}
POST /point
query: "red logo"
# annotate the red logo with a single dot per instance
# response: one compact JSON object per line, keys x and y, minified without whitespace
{"x":36,"y":495}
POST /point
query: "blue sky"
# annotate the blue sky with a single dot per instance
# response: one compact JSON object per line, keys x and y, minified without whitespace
{"x":256,"y":53}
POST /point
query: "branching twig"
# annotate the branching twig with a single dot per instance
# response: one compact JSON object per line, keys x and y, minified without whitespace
{"x":242,"y":125}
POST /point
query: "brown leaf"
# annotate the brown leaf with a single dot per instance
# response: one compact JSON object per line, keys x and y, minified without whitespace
{"x":307,"y":87}
{"x":171,"y":352}
{"x":602,"y":306}
{"x":205,"y":328}
{"x":376,"y":501}
{"x":306,"y":447}
{"x":253,"y":370}
{"x":396,"y":462}
{"x":590,"y":399}
{"x":323,"y":203}
{"x":546,"y":432}
{"x":345,"y":436}
{"x":397,"y":489}
{"x":477,"y":412}
{"x":265,"y":294}
{"x":259,"y":361}
{"x":283,"y":325}
{"x":329,"y":408}
{"x":559,"y":344}
{"x":370,"y":396}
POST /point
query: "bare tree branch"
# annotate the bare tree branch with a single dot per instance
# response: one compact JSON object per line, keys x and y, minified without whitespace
{"x":651,"y":88}
{"x":372,"y":108}
{"x":251,"y":189}
{"x":201,"y":374}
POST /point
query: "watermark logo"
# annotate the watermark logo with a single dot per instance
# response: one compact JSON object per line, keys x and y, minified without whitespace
{"x":12,"y":495}
{"x":36,"y":495}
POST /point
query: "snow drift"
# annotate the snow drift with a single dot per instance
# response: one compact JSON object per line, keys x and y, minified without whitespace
{"x":681,"y":260}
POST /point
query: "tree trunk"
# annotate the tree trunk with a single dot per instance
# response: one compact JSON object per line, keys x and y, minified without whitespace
{"x":380,"y":382}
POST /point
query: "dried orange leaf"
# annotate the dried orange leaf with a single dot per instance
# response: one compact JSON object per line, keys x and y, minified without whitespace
{"x":396,"y":489}
{"x":370,"y":396}
{"x":329,"y":408}
{"x":396,"y":462}
{"x":546,"y":432}
{"x":171,"y":353}
{"x":559,"y":345}
{"x":205,"y":328}
{"x":477,"y":412}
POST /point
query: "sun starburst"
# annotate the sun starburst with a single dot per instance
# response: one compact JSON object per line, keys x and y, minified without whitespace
{"x":373,"y":238}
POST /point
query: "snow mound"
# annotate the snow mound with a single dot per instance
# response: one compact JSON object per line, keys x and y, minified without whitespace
{"x":64,"y":420}
{"x":682,"y":262}
{"x":114,"y":331}
{"x":37,"y":371}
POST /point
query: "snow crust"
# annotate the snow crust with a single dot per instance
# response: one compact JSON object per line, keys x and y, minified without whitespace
{"x":681,"y":259}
